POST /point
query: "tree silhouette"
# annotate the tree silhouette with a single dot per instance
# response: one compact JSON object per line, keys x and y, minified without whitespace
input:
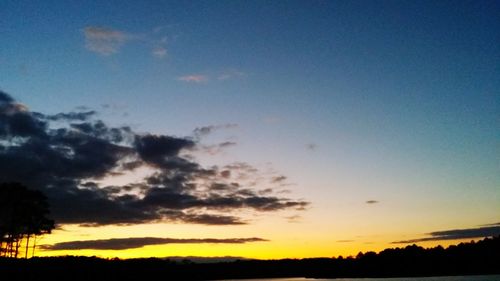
{"x":23,"y":215}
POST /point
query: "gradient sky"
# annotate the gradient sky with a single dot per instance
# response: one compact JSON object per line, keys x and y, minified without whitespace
{"x":383,"y":115}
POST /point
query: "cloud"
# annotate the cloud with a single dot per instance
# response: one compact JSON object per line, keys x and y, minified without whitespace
{"x":227,"y":144}
{"x":216,"y":148}
{"x":208,"y":219}
{"x":5,"y":98}
{"x":159,"y":52}
{"x":207,"y":130}
{"x":104,"y":41}
{"x":198,"y":78}
{"x":204,"y":131}
{"x":139,"y":242}
{"x":293,"y":218}
{"x":344,"y":241}
{"x":311,"y":146}
{"x":193,"y":78}
{"x":161,"y":150}
{"x":67,"y":154}
{"x":230,"y":74}
{"x":278,"y":179}
{"x":372,"y":202}
{"x":455,"y":234}
{"x":72,"y":116}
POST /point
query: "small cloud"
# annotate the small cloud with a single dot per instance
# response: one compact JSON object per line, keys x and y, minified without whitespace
{"x":344,"y":241}
{"x":372,"y":202}
{"x":278,"y":179}
{"x":216,"y":148}
{"x":159,"y":52}
{"x":206,"y":130}
{"x":455,"y":234}
{"x":107,"y":41}
{"x":265,"y":191}
{"x":226,"y":144}
{"x":104,"y":41}
{"x":293,"y":219}
{"x":230,"y":75}
{"x":194,"y":78}
{"x":311,"y":146}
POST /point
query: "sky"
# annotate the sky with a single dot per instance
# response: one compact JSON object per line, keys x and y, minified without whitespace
{"x":253,"y":128}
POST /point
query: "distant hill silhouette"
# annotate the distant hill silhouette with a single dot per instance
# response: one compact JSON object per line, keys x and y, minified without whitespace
{"x":482,"y":257}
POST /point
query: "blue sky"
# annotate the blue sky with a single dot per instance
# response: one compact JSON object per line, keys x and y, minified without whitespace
{"x":394,"y":101}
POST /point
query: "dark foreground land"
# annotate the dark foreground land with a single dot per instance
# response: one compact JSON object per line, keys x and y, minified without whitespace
{"x":481,"y":257}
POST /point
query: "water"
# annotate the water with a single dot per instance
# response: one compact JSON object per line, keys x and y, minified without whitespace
{"x":444,"y":278}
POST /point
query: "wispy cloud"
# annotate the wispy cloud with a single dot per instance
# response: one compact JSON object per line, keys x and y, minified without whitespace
{"x":104,"y":41}
{"x":193,"y":78}
{"x":198,"y":78}
{"x":139,"y":242}
{"x":372,"y":202}
{"x":294,"y":218}
{"x":159,"y":52}
{"x":107,"y":41}
{"x":216,"y":148}
{"x":207,"y":130}
{"x":455,"y":234}
{"x":230,"y":74}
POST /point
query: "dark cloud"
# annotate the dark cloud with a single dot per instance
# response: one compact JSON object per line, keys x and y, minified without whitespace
{"x":5,"y":98}
{"x":66,"y":159}
{"x":72,"y":116}
{"x":311,"y":146}
{"x":455,"y":234}
{"x":161,"y":150}
{"x":206,"y":130}
{"x":17,"y":121}
{"x":278,"y":179}
{"x":227,"y":144}
{"x":139,"y":242}
{"x":372,"y":202}
{"x":208,"y":219}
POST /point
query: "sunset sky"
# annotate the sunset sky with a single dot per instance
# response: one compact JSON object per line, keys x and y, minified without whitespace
{"x":260,"y":129}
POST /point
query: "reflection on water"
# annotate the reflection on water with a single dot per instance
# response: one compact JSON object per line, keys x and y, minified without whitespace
{"x":444,"y":278}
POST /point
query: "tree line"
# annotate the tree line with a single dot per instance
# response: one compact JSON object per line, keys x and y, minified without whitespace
{"x":474,"y":258}
{"x":23,"y":219}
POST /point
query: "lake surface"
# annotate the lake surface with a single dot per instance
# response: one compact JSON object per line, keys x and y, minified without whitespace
{"x":444,"y":278}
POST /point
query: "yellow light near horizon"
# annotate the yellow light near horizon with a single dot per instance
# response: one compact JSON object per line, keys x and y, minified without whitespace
{"x":281,"y":245}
